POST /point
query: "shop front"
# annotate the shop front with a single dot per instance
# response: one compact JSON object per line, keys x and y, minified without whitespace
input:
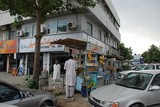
{"x":48,"y":53}
{"x":8,"y":53}
{"x":88,"y":58}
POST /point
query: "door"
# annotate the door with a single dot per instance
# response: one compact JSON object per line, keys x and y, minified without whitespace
{"x":154,"y":96}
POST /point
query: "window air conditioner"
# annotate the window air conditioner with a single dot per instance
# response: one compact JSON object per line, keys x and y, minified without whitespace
{"x":20,"y":33}
{"x":72,"y":25}
{"x":43,"y":29}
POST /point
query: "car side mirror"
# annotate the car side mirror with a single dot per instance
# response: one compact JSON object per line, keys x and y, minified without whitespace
{"x":154,"y":87}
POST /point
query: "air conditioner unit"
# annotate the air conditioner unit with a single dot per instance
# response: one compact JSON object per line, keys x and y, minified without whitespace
{"x":20,"y":33}
{"x":72,"y":25}
{"x":43,"y":29}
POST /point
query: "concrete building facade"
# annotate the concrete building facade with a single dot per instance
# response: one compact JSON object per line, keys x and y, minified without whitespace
{"x":98,"y":27}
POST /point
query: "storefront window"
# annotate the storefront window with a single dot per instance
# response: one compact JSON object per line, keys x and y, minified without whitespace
{"x":52,"y":26}
{"x":62,"y":25}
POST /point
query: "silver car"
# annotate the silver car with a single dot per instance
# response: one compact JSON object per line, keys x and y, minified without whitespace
{"x":136,"y":89}
{"x":25,"y":98}
{"x":7,"y":105}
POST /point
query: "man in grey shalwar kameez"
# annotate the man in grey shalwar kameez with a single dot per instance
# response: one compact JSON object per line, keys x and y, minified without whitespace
{"x":70,"y":66}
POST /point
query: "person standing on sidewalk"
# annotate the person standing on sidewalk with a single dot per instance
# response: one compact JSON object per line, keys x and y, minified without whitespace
{"x":70,"y":66}
{"x":56,"y":72}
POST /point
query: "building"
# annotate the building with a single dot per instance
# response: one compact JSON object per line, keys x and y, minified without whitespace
{"x":98,"y":27}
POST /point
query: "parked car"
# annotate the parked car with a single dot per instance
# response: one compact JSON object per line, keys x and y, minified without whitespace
{"x":136,"y":89}
{"x":152,"y":66}
{"x":7,"y":105}
{"x":25,"y":98}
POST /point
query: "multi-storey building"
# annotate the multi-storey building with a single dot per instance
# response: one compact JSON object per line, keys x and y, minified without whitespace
{"x":97,"y":28}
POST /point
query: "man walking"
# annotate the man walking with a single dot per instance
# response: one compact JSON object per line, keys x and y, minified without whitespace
{"x":70,"y":66}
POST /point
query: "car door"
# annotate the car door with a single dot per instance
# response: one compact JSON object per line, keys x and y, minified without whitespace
{"x":154,"y":95}
{"x":11,"y":95}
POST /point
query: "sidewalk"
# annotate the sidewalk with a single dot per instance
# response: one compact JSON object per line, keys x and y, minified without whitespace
{"x":18,"y":81}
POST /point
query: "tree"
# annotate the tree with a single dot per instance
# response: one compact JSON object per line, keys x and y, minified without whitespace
{"x":39,"y":9}
{"x":144,"y":55}
{"x":152,"y":55}
{"x":125,"y":52}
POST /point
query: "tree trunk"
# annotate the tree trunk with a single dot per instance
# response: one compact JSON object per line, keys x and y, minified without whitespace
{"x":38,"y":36}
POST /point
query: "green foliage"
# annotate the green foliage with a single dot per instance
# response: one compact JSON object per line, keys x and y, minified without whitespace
{"x":152,"y":55}
{"x":18,"y":22}
{"x":125,"y":52}
{"x":30,"y":83}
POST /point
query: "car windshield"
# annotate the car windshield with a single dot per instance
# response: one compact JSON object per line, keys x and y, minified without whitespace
{"x":135,"y":80}
{"x":139,"y":67}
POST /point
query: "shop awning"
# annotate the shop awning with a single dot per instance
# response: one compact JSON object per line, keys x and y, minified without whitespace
{"x":72,"y":43}
{"x":116,"y":56}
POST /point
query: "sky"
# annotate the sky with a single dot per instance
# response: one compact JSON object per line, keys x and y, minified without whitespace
{"x":139,"y":23}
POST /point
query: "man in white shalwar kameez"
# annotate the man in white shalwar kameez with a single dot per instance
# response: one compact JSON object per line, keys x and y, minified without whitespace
{"x":70,"y":66}
{"x":56,"y":72}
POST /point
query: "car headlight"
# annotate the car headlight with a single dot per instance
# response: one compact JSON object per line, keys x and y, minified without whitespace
{"x":110,"y":104}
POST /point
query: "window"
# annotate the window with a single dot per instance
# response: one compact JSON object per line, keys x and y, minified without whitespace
{"x":149,"y":67}
{"x":52,"y":26}
{"x":136,"y":80}
{"x":4,"y":35}
{"x":8,"y":93}
{"x":13,"y":35}
{"x":102,"y":38}
{"x":33,"y":30}
{"x":59,"y":26}
{"x":157,"y":66}
{"x":99,"y":35}
{"x":89,"y":28}
{"x":62,"y":25}
{"x":30,"y":30}
{"x":156,"y":80}
{"x":1,"y":35}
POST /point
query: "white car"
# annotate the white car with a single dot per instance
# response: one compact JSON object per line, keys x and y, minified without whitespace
{"x":136,"y":89}
{"x":152,"y":66}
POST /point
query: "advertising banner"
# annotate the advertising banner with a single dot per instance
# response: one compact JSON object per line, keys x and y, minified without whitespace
{"x":8,"y":46}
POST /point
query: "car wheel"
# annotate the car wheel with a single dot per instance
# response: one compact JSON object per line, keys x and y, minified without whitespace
{"x":137,"y":105}
{"x":46,"y":104}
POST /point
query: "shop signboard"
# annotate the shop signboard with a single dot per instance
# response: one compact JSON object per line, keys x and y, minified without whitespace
{"x":8,"y":46}
{"x":95,"y":45}
{"x":28,"y":45}
{"x":94,"y":48}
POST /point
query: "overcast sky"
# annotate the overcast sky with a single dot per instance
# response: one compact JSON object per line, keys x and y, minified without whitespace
{"x":140,"y":23}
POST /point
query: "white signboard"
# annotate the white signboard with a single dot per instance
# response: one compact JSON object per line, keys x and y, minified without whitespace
{"x":28,"y":45}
